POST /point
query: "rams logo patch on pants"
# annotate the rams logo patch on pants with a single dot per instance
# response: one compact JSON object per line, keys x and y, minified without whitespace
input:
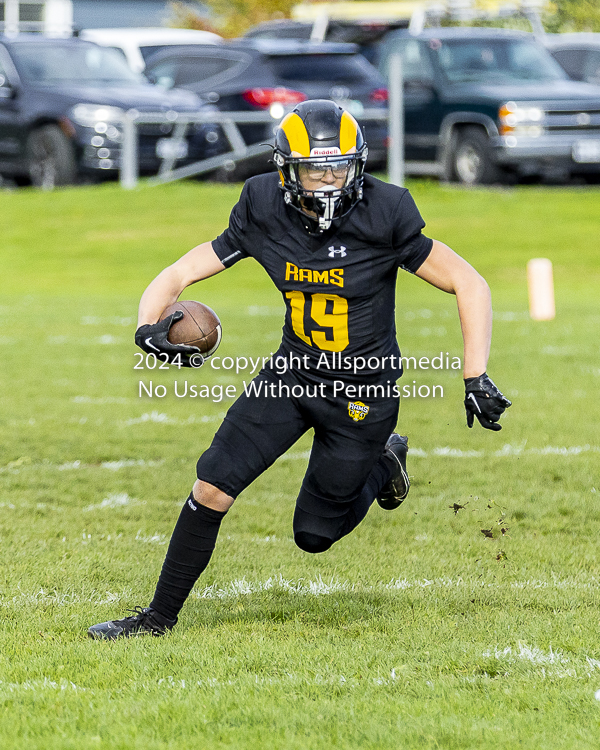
{"x":357,"y":410}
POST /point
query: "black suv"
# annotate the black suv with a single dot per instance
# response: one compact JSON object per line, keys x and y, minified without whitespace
{"x":273,"y":75}
{"x":62,"y":103}
{"x":482,"y":104}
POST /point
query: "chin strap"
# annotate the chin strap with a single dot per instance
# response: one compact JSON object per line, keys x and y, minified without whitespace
{"x":311,"y":225}
{"x":327,"y":198}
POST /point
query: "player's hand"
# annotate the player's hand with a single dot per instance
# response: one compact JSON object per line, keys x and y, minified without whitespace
{"x":153,"y":340}
{"x":484,"y":401}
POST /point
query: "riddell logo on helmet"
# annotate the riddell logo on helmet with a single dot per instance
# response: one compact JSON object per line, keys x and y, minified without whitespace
{"x":334,"y":151}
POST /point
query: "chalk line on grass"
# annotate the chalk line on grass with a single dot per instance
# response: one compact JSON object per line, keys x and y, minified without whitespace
{"x":508,"y":450}
{"x":114,"y":500}
{"x":161,"y":418}
{"x":304,"y":587}
{"x":573,"y":450}
{"x":269,"y":539}
{"x":36,"y":685}
{"x":123,"y":463}
{"x":264,"y":310}
{"x":334,"y":680}
{"x":126,"y":463}
{"x":554,"y":584}
{"x":107,"y":339}
{"x":524,"y":652}
{"x":551,"y":663}
{"x":114,"y":320}
{"x":16,"y":467}
{"x":63,"y":599}
{"x":456,"y":453}
{"x":243,"y":587}
{"x":295,"y":456}
{"x":101,"y":400}
{"x":160,"y":539}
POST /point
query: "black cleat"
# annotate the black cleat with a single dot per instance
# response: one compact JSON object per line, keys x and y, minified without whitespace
{"x":396,"y":488}
{"x":144,"y":622}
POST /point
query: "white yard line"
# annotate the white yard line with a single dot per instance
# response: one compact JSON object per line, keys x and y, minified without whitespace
{"x":507,"y":451}
{"x":302,"y":586}
{"x":114,"y":500}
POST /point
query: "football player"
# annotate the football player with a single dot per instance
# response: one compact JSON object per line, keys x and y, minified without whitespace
{"x":332,"y":240}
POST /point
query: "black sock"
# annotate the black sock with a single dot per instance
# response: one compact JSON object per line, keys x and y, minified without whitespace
{"x":190,"y":548}
{"x":380,"y":474}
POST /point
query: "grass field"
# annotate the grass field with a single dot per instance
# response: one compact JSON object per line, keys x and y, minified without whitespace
{"x":416,"y":631}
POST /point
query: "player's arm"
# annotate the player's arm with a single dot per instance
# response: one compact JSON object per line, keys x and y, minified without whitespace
{"x":200,"y":263}
{"x":151,"y":335}
{"x":447,"y":271}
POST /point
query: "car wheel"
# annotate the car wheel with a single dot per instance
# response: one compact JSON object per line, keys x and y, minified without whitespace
{"x":472,"y":158}
{"x":51,"y":158}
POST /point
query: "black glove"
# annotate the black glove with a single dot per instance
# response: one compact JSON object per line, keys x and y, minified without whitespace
{"x":153,"y":340}
{"x":484,"y":401}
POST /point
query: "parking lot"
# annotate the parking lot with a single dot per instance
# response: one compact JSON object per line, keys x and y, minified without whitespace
{"x":481,"y":106}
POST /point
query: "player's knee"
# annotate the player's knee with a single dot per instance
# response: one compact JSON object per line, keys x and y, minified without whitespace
{"x":312,"y":542}
{"x":340,"y":488}
{"x":212,"y":497}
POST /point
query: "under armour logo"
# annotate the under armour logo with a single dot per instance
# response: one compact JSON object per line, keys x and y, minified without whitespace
{"x":341,"y":252}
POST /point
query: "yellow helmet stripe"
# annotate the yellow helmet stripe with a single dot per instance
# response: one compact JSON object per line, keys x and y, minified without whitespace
{"x":295,"y":132}
{"x":348,"y":133}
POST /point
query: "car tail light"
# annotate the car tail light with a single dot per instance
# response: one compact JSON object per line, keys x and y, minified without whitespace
{"x":379,"y":95}
{"x":264,"y":98}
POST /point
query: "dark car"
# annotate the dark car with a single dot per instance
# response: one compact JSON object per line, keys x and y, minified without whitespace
{"x":481,"y":104}
{"x":62,"y":103}
{"x":365,"y":33}
{"x":270,"y":75}
{"x":577,"y":53}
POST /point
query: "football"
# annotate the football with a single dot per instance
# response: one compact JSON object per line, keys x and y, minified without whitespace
{"x":200,"y":326}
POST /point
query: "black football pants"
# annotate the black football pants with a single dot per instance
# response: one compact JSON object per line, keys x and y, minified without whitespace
{"x":345,"y":471}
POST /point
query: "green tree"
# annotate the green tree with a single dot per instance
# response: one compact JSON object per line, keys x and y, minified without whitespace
{"x":230,"y":18}
{"x":182,"y":16}
{"x":573,"y":15}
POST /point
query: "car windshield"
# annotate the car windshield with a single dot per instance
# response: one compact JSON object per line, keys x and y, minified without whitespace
{"x":335,"y":68}
{"x":151,"y":49}
{"x":53,"y":64}
{"x":495,"y":61}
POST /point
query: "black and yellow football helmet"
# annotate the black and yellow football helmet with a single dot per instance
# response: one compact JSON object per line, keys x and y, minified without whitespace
{"x":320,"y":138}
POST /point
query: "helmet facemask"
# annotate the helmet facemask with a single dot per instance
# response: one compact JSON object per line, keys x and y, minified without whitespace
{"x":324,"y":202}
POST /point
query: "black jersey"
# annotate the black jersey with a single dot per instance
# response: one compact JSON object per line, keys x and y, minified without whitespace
{"x":339,"y":286}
